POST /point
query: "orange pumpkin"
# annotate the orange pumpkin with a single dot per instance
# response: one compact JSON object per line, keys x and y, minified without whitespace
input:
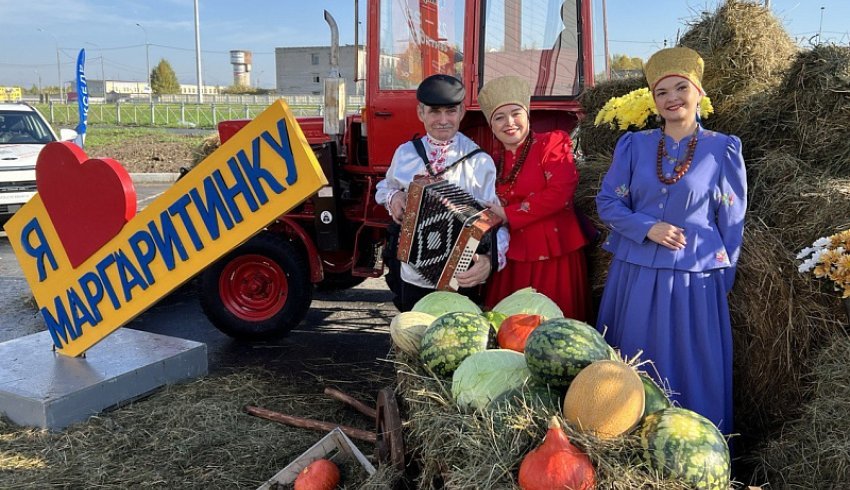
{"x":515,"y":330}
{"x":321,"y":474}
{"x":556,"y":464}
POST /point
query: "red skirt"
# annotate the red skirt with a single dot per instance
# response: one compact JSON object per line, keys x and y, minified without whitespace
{"x":563,"y":279}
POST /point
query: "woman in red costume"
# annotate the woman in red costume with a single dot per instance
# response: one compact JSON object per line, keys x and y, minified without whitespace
{"x":537,"y":178}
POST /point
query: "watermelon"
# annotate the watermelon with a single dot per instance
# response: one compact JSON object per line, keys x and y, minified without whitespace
{"x":682,"y":445}
{"x":453,"y":337}
{"x":561,"y":347}
{"x":656,"y":399}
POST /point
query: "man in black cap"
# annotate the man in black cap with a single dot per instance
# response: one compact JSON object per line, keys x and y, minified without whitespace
{"x":442,"y":153}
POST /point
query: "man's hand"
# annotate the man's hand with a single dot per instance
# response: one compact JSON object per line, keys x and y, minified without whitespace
{"x":397,"y":205}
{"x":477,"y":274}
{"x":667,"y":235}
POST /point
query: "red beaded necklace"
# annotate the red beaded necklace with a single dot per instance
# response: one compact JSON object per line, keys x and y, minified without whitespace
{"x":511,"y":179}
{"x":681,"y":168}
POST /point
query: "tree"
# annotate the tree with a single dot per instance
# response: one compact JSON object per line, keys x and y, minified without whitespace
{"x":622,"y":62}
{"x":164,"y":80}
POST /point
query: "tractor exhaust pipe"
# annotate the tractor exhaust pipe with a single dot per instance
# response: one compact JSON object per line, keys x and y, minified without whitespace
{"x":334,"y":103}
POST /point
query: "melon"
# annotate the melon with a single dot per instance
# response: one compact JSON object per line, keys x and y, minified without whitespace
{"x":561,"y":347}
{"x":682,"y":445}
{"x":453,"y":337}
{"x":407,"y":330}
{"x":605,"y":399}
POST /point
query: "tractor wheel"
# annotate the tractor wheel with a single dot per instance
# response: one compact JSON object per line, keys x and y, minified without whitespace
{"x":259,"y":291}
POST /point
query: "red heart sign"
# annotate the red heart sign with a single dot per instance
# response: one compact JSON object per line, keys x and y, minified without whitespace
{"x":88,"y":200}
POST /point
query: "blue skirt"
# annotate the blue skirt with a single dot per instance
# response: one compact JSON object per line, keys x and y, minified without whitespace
{"x":680,"y":322}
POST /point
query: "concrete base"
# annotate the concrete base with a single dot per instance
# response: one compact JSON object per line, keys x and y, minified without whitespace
{"x":39,"y":387}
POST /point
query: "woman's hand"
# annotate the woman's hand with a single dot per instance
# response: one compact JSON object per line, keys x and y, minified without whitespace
{"x":667,"y":235}
{"x":499,"y":211}
{"x":397,"y":205}
{"x":477,"y":274}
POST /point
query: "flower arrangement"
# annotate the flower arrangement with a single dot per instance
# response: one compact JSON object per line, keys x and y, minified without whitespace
{"x":829,"y":257}
{"x":635,"y":108}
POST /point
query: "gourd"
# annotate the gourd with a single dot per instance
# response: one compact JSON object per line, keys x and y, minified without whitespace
{"x":606,"y":398}
{"x":556,"y":463}
{"x":407,"y":330}
{"x":321,"y":474}
{"x":515,"y":329}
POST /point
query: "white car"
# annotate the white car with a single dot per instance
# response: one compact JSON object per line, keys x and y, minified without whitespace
{"x":23,"y":133}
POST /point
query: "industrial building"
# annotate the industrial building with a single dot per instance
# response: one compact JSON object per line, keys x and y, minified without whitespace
{"x":302,"y":70}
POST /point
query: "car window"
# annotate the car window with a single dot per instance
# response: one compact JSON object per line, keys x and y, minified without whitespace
{"x":23,"y":128}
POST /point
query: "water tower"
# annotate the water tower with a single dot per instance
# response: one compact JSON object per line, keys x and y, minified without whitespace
{"x":241,"y":61}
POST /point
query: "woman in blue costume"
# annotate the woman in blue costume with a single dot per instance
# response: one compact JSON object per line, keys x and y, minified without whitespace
{"x":674,"y":200}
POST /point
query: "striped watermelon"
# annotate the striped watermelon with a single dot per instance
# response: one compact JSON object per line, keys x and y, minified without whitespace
{"x":451,"y":338}
{"x":561,"y":347}
{"x":683,"y":445}
{"x":655,"y":397}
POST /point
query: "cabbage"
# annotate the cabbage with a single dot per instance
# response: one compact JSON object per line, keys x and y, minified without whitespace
{"x":439,"y":303}
{"x":485,"y":376}
{"x":495,"y":318}
{"x":529,"y":301}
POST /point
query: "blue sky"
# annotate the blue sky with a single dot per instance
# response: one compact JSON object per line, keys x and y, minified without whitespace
{"x":107,"y":30}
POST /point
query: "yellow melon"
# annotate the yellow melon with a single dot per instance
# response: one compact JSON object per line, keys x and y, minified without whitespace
{"x":606,"y":399}
{"x":407,"y":329}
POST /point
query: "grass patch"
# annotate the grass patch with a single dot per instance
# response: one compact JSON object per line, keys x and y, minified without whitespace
{"x":110,"y":135}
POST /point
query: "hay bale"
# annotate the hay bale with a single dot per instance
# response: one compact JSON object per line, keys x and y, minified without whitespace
{"x":205,"y":149}
{"x":599,"y":141}
{"x":744,"y":46}
{"x":814,"y":451}
{"x":814,"y":102}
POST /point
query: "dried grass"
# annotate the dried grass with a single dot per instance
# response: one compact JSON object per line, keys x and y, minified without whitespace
{"x":192,"y":435}
{"x":814,"y":450}
{"x":745,"y":49}
{"x":484,"y":449}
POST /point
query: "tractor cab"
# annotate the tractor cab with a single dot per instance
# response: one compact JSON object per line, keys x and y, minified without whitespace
{"x":264,"y":288}
{"x":542,"y":41}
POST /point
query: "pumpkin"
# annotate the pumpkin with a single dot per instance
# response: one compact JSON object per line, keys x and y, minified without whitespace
{"x":321,"y":474}
{"x":556,"y":464}
{"x":515,"y":329}
{"x":407,"y":329}
{"x":606,"y":398}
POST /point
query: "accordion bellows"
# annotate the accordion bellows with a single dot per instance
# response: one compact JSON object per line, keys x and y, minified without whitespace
{"x":442,"y":228}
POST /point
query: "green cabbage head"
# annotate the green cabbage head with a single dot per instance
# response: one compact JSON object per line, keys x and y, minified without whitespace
{"x":439,"y":303}
{"x":485,"y":376}
{"x":530,"y":302}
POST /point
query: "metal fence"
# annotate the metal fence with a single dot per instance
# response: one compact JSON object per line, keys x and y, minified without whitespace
{"x":180,"y":114}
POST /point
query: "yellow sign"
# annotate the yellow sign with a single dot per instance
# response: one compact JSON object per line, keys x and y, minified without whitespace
{"x":10,"y":94}
{"x":263,"y":171}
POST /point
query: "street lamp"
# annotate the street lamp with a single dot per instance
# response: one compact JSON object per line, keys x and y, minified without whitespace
{"x":147,"y":58}
{"x":102,"y":76}
{"x":58,"y":65}
{"x":38,"y":75}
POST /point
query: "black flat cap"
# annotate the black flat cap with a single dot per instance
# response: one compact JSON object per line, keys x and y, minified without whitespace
{"x":440,"y":90}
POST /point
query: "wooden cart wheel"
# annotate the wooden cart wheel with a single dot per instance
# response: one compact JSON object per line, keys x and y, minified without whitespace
{"x":390,"y":444}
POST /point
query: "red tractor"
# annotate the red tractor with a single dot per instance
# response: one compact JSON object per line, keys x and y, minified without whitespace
{"x":264,"y":288}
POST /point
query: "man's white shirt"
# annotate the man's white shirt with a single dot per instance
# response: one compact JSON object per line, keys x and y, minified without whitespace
{"x":476,"y":175}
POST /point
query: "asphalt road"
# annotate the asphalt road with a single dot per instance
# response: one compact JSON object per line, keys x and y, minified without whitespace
{"x":343,"y":340}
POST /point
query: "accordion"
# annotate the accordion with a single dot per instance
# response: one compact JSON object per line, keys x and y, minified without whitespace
{"x":442,"y":228}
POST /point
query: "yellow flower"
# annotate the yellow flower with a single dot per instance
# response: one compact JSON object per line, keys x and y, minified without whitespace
{"x":635,"y":108}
